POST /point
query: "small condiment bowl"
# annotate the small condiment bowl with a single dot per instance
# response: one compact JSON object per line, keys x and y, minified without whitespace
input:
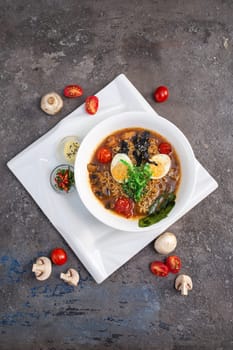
{"x":61,"y":152}
{"x":53,"y":175}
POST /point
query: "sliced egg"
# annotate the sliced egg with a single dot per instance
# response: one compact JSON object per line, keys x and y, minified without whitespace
{"x":119,"y":170}
{"x":160,"y":165}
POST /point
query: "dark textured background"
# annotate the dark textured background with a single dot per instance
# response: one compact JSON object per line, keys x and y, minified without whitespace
{"x":186,"y":45}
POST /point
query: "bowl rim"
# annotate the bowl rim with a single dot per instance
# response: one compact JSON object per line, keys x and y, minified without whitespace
{"x":85,"y":193}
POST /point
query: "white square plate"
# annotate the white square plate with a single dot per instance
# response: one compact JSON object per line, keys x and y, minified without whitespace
{"x":100,"y":248}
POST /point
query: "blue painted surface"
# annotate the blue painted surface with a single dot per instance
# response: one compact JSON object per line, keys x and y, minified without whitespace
{"x":49,"y":291}
{"x":12,"y":268}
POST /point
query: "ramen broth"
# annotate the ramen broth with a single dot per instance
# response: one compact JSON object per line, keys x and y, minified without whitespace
{"x":140,"y":147}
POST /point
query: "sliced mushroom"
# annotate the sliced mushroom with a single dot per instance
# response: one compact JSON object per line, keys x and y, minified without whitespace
{"x":71,"y":277}
{"x":42,"y":268}
{"x":51,"y":103}
{"x":183,"y":283}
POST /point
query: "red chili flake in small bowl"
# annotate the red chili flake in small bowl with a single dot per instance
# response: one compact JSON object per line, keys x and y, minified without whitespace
{"x":62,"y":178}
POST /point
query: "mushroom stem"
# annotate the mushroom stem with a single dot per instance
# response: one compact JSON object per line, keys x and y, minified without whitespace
{"x":51,"y":100}
{"x":71,"y":277}
{"x":38,"y":268}
{"x":42,"y":268}
{"x":184,"y":289}
{"x":183,"y":283}
{"x":51,"y":103}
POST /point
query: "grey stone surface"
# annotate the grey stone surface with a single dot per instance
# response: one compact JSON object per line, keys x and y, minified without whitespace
{"x":186,"y":45}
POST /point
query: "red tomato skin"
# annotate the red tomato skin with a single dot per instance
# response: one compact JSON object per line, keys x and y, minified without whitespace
{"x":165,"y":148}
{"x":124,"y":206}
{"x":58,"y":256}
{"x":104,"y":155}
{"x":161,"y":94}
{"x":92,"y":104}
{"x":73,"y":91}
{"x":159,"y":269}
{"x":173,"y":263}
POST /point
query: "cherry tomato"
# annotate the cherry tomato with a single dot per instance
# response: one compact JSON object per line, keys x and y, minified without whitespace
{"x":159,"y":269}
{"x":165,"y":148}
{"x":104,"y":155}
{"x":92,"y":104}
{"x":173,"y":263}
{"x":58,"y":256}
{"x":161,"y":94}
{"x":73,"y":91}
{"x":124,"y":206}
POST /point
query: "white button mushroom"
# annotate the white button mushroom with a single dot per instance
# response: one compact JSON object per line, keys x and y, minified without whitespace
{"x":51,"y":103}
{"x":71,"y":277}
{"x":184,"y":284}
{"x":165,"y":243}
{"x":42,"y":268}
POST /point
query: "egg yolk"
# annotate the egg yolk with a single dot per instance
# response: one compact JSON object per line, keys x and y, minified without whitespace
{"x":158,"y":170}
{"x":120,"y":172}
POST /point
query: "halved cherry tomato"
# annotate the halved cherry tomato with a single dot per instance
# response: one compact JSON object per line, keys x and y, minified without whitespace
{"x":161,"y":94}
{"x":173,"y":263}
{"x":73,"y":91}
{"x":92,"y":104}
{"x":165,"y":148}
{"x":104,"y":155}
{"x":159,"y":269}
{"x":58,"y":256}
{"x":124,"y":206}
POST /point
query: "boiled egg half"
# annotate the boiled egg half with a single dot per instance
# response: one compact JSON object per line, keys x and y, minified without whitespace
{"x":160,"y":165}
{"x":119,"y":169}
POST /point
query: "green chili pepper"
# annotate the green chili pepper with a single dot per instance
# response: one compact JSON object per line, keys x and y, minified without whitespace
{"x":161,"y":202}
{"x":158,"y":210}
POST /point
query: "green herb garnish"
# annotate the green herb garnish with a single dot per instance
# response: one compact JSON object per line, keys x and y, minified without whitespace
{"x":138,"y":177}
{"x":158,"y":210}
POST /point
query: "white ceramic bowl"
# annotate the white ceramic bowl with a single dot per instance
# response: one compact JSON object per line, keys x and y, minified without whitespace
{"x":143,"y":120}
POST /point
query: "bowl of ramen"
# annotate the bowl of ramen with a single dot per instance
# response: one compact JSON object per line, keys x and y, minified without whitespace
{"x":135,"y":171}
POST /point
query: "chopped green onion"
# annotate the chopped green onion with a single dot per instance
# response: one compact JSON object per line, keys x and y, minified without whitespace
{"x":138,"y":177}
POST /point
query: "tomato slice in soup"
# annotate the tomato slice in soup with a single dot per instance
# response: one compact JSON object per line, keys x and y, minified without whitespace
{"x":124,"y":206}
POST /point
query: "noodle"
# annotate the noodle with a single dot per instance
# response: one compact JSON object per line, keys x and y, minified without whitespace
{"x":140,"y":145}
